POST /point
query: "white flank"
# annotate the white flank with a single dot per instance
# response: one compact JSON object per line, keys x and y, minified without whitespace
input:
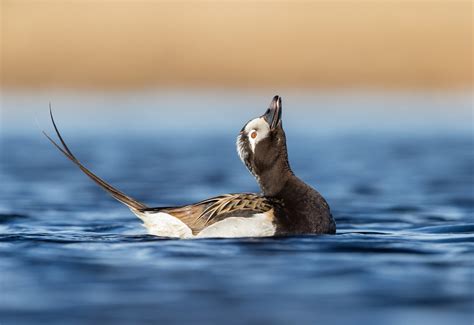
{"x":260,"y":225}
{"x":165,"y":225}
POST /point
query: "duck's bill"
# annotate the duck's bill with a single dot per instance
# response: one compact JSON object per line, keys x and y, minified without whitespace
{"x":273,"y":113}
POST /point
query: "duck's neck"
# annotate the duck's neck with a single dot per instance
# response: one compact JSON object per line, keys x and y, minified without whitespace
{"x":273,"y":180}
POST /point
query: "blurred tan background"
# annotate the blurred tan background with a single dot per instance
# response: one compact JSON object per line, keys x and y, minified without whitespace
{"x":133,"y":44}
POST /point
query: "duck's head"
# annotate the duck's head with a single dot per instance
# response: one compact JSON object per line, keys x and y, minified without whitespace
{"x":261,"y":144}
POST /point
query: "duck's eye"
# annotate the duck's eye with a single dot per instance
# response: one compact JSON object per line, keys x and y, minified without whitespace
{"x":253,"y":135}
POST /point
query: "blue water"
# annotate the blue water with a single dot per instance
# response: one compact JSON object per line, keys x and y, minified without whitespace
{"x":403,"y":253}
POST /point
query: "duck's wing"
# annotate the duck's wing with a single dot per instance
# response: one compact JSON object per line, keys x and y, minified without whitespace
{"x":203,"y":214}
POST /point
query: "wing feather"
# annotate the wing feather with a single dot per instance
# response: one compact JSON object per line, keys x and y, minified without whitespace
{"x":205,"y":213}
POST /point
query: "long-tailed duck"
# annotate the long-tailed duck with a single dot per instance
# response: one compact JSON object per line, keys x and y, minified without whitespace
{"x":287,"y":205}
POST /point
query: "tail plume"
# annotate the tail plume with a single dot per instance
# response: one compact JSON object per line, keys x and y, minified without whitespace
{"x":118,"y":195}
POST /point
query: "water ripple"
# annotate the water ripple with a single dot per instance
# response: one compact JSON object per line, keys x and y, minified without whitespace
{"x":404,"y":250}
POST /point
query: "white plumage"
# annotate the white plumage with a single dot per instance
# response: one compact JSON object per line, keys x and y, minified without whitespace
{"x":165,"y":225}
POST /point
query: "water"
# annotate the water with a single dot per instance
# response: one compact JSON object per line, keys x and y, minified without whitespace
{"x":403,"y":253}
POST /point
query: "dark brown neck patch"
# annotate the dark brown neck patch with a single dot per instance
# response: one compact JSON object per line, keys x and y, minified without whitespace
{"x":275,"y":178}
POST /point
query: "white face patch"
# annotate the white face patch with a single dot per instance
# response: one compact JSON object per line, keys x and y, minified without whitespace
{"x":256,"y":130}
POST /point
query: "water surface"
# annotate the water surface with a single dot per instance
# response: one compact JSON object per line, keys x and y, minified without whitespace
{"x":403,"y":253}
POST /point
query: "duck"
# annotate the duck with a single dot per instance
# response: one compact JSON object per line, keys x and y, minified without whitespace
{"x":286,"y":206}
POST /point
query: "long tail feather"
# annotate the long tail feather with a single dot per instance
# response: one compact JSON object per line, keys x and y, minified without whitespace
{"x":118,"y":195}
